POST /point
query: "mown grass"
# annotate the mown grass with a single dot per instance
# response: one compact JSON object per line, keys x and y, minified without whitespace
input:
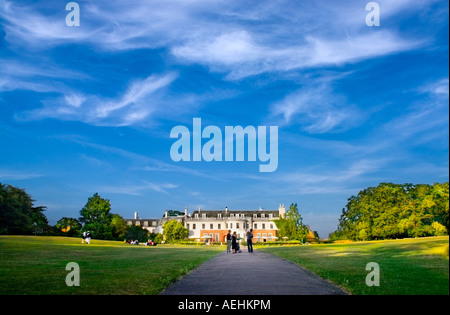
{"x":407,"y":267}
{"x":36,"y":265}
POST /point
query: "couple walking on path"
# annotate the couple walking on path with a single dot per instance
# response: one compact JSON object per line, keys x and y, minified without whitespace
{"x":233,"y":244}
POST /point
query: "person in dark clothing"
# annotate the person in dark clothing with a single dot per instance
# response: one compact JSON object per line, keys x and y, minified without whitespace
{"x":234,"y":242}
{"x":229,"y":242}
{"x":250,"y":241}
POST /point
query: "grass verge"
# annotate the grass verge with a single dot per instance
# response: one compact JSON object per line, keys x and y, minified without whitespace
{"x":36,"y":265}
{"x":407,"y":267}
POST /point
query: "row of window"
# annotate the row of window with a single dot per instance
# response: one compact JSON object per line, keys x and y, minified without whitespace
{"x":138,"y":223}
{"x":237,"y":215}
{"x":231,"y":226}
{"x":260,"y":237}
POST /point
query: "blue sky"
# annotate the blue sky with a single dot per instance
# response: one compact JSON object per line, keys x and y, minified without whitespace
{"x":90,"y":109}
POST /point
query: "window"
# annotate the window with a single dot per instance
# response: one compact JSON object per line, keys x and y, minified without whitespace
{"x":255,"y":226}
{"x":270,"y":237}
{"x":204,"y":215}
{"x":219,"y":226}
{"x":193,"y":226}
{"x":242,"y":216}
{"x":145,"y":223}
{"x":187,"y":226}
{"x":196,"y":215}
{"x":270,"y":215}
{"x":263,"y":215}
{"x":211,"y":226}
{"x":255,"y":216}
{"x":231,"y":225}
{"x":203,"y":226}
{"x":219,"y":216}
{"x":232,"y":215}
{"x":154,"y":223}
{"x":263,"y":226}
{"x":216,"y":239}
{"x":237,"y":225}
{"x":271,"y":226}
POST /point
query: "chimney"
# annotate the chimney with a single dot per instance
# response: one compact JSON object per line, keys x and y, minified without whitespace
{"x":226,"y":209}
{"x":260,"y":208}
{"x":185,"y":211}
{"x":136,"y":215}
{"x":166,"y":213}
{"x":282,"y":211}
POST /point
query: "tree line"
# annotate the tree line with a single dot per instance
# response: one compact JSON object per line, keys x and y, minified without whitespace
{"x":19,"y":216}
{"x":395,"y":211}
{"x":383,"y":212}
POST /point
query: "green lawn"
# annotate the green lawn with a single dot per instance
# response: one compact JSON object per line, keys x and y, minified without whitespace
{"x":407,"y":267}
{"x":36,"y":265}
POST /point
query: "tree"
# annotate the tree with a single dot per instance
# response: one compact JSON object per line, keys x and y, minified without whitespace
{"x":119,"y":227}
{"x":174,"y":231}
{"x":18,"y":214}
{"x":391,"y":211}
{"x":96,"y":217}
{"x":292,"y":226}
{"x":135,"y":232}
{"x":69,"y":226}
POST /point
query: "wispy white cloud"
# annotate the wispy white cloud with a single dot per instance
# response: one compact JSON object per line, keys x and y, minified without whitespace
{"x":318,"y":110}
{"x":138,"y":190}
{"x":239,"y":53}
{"x":439,"y":88}
{"x":222,"y":35}
{"x":136,"y":104}
{"x":14,"y":174}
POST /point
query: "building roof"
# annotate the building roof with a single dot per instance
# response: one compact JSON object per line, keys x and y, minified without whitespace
{"x":227,"y":213}
{"x":142,"y":220}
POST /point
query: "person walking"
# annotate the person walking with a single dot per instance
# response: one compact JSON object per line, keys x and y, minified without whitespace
{"x":88,"y":237}
{"x":229,"y":242}
{"x":250,"y":241}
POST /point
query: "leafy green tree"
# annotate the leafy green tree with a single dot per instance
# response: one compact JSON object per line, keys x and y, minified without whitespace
{"x":440,"y":193}
{"x":96,"y":217}
{"x":18,"y":215}
{"x":292,"y":226}
{"x":392,"y":211}
{"x":119,"y":227}
{"x":174,"y":231}
{"x":156,"y":237}
{"x":135,"y":232}
{"x":438,"y":229}
{"x":68,"y":226}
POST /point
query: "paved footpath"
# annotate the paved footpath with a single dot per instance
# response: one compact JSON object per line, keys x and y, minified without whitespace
{"x":254,"y":273}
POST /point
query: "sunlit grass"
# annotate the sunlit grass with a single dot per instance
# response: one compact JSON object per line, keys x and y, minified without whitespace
{"x":36,"y":265}
{"x":410,"y":266}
